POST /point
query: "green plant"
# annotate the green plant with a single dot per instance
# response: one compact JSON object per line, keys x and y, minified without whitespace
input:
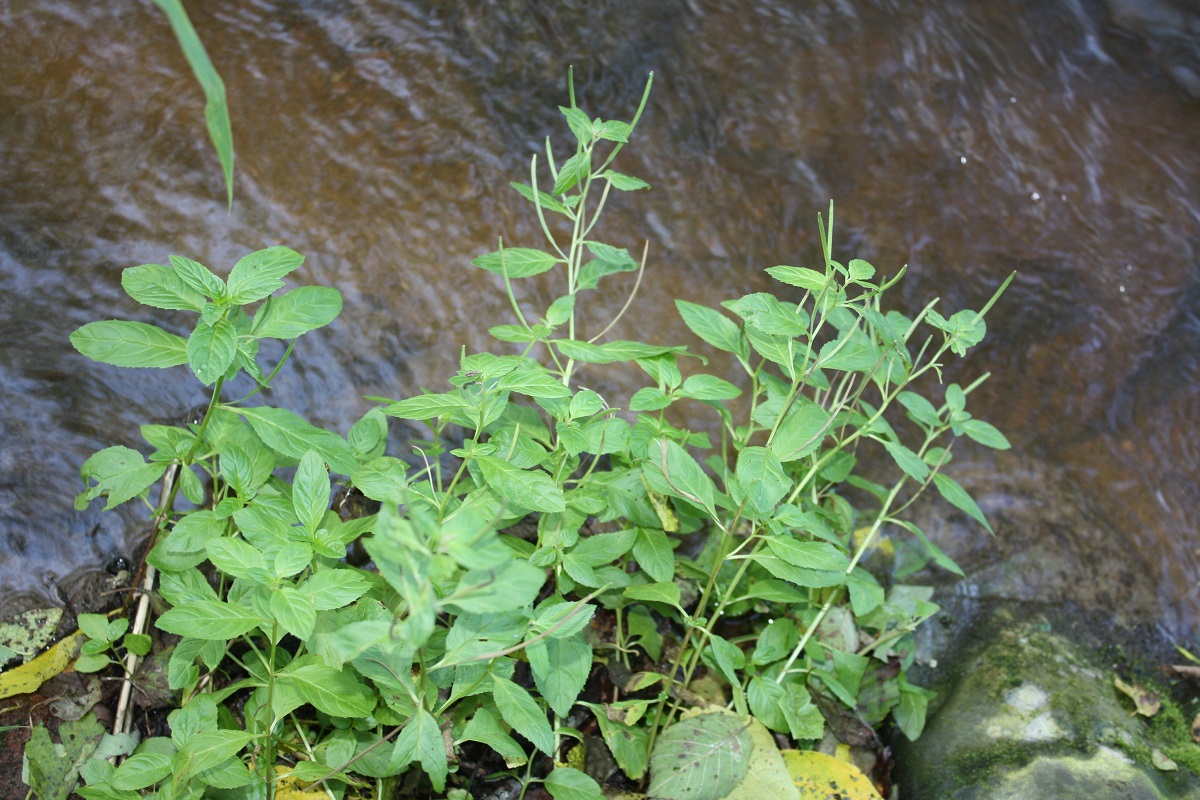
{"x":550,"y":551}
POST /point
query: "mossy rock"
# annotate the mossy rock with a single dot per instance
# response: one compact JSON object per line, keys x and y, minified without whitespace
{"x":1030,"y":712}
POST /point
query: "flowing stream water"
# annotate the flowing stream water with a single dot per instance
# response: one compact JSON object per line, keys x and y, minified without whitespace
{"x":377,"y":137}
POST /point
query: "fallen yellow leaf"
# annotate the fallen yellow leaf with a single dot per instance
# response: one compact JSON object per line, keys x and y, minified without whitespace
{"x":1145,"y":702}
{"x":822,"y":777}
{"x":29,"y":677}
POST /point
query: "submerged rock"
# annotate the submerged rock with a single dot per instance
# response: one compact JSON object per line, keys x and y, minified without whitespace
{"x":1029,"y":710}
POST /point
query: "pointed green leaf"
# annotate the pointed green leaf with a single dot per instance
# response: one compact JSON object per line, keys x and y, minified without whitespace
{"x":211,"y":350}
{"x":565,"y":783}
{"x":958,"y":497}
{"x":517,"y":262}
{"x":199,"y":277}
{"x":908,"y":461}
{"x":546,"y":201}
{"x":421,"y":741}
{"x":801,"y":432}
{"x":333,"y":691}
{"x":808,"y":555}
{"x":986,"y":434}
{"x":310,"y":491}
{"x":625,"y":183}
{"x":130,"y":344}
{"x":574,"y":170}
{"x":294,"y":611}
{"x":297,"y":312}
{"x":713,"y":327}
{"x":671,"y":471}
{"x":529,"y":489}
{"x":207,"y":750}
{"x":160,"y":286}
{"x":293,"y":436}
{"x":259,"y":274}
{"x":523,"y":713}
{"x":654,"y":554}
{"x":426,"y":406}
{"x":209,"y":619}
{"x":560,"y":669}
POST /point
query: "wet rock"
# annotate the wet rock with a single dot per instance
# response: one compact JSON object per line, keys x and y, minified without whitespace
{"x":1170,"y":29}
{"x":1029,"y":709}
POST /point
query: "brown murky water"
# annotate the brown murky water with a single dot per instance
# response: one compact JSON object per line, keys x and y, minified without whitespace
{"x":965,"y":139}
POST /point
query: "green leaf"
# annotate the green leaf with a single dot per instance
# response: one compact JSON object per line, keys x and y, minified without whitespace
{"x":571,"y":618}
{"x":527,"y":489}
{"x":766,"y":702}
{"x":728,"y":657}
{"x":421,"y":740}
{"x":383,"y":479}
{"x":920,"y":409}
{"x":565,"y":783}
{"x":199,"y":277}
{"x":560,"y":669}
{"x":611,"y":352}
{"x":580,"y":124}
{"x":803,"y":277}
{"x":625,"y":183}
{"x":910,"y":712}
{"x":334,"y":588}
{"x":120,"y":473}
{"x":649,"y":398}
{"x":297,"y":312}
{"x":762,"y":478}
{"x":775,"y":641}
{"x":986,"y":434}
{"x":426,"y":406}
{"x":608,"y":261}
{"x":958,"y":497}
{"x":294,"y":611}
{"x":800,"y":576}
{"x":368,"y":436}
{"x":160,"y":287}
{"x":664,"y":592}
{"x":908,"y":461}
{"x":600,"y":549}
{"x":809,"y":555}
{"x":293,"y":436}
{"x":804,"y":720}
{"x":713,"y":327}
{"x":259,"y":274}
{"x":653,"y":552}
{"x":330,"y":690}
{"x":521,"y":712}
{"x":707,"y":387}
{"x":670,"y":470}
{"x":859,"y":270}
{"x":801,"y":431}
{"x":614,"y":131}
{"x":216,"y":108}
{"x":207,"y":750}
{"x":546,"y":201}
{"x":130,"y":344}
{"x":237,"y":559}
{"x":211,"y":350}
{"x":574,"y":170}
{"x":511,"y":585}
{"x":534,"y":381}
{"x":700,"y":758}
{"x":485,"y":729}
{"x":209,"y":619}
{"x":310,"y":491}
{"x":141,"y":770}
{"x":517,"y":262}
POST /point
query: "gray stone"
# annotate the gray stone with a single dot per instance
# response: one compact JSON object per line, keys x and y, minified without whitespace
{"x":1030,"y":711}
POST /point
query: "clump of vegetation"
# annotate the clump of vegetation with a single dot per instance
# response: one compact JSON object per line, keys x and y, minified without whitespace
{"x":568,"y":564}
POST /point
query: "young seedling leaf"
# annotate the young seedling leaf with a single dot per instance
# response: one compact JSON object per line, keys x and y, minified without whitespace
{"x":566,"y":783}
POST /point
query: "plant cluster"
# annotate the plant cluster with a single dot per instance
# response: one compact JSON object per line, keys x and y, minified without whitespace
{"x":554,"y":563}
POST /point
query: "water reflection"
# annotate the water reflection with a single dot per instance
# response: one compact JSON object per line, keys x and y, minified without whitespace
{"x":964,"y":139}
